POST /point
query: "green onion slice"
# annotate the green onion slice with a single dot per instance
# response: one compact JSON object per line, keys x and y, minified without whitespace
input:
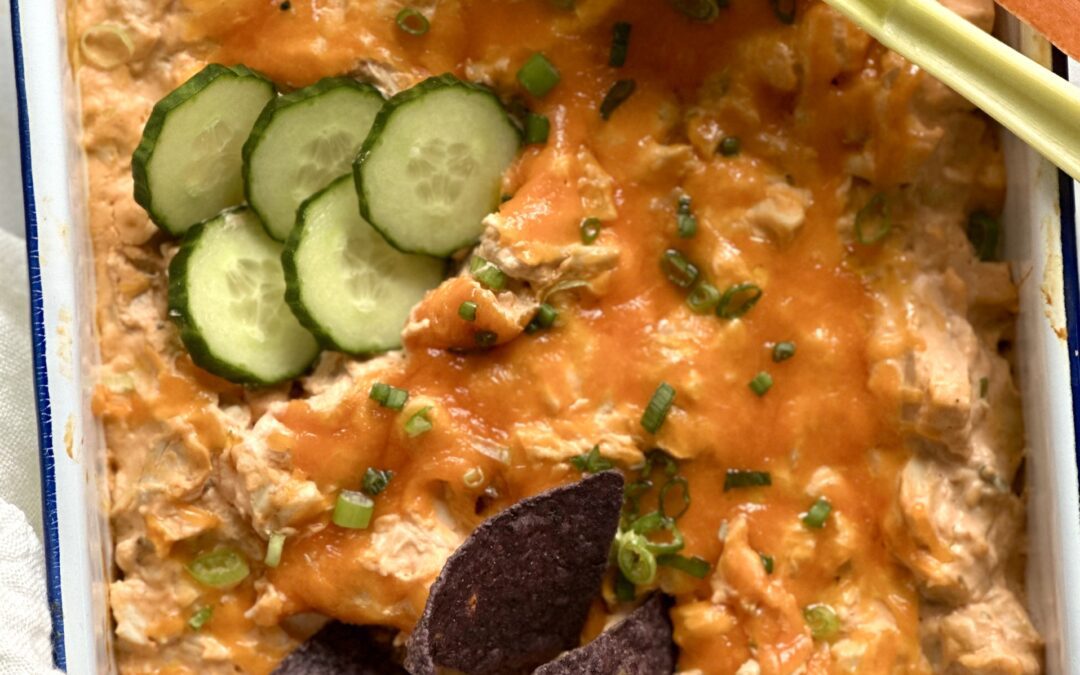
{"x":822,"y":621}
{"x":761,"y":383}
{"x":698,"y":10}
{"x":467,"y":311}
{"x":676,"y":544}
{"x":685,"y":221}
{"x":538,"y":75}
{"x":375,"y":481}
{"x":353,"y":510}
{"x":273,"y":549}
{"x":784,"y":10}
{"x":591,"y":461}
{"x":620,"y":44}
{"x":683,"y":487}
{"x":543,"y":319}
{"x":704,"y":298}
{"x":782,"y":351}
{"x":590,"y":230}
{"x":694,"y":566}
{"x":983,"y":231}
{"x":738,"y":300}
{"x":616,"y":96}
{"x":200,"y":618}
{"x":221,"y":568}
{"x":767,"y":562}
{"x":487,"y":273}
{"x":657,"y":455}
{"x":486,"y":338}
{"x":658,"y":408}
{"x":635,"y":560}
{"x":537,"y":128}
{"x":388,"y":397}
{"x":873,"y":222}
{"x":678,"y":269}
{"x":817,"y":515}
{"x":737,"y":478}
{"x":419,"y":423}
{"x":729,"y":146}
{"x":412,"y":21}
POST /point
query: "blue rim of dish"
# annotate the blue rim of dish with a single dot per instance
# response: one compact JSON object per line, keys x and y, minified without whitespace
{"x":41,"y":371}
{"x":51,"y":526}
{"x":1068,"y":209}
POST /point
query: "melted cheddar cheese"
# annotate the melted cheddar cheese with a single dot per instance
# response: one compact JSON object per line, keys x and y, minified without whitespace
{"x":879,"y":411}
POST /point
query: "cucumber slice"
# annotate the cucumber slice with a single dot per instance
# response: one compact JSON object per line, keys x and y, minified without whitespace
{"x":187,"y":166}
{"x":344,"y":282}
{"x":431,"y":168}
{"x":227,"y":295}
{"x":301,"y":142}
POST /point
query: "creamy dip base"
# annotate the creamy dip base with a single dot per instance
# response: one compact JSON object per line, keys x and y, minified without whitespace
{"x":899,"y":406}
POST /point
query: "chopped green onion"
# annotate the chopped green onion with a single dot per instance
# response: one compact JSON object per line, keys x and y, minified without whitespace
{"x":590,"y":230}
{"x":670,"y":466}
{"x":473,"y":478}
{"x":674,"y":546}
{"x":678,"y":269}
{"x":650,"y":522}
{"x":761,"y":383}
{"x":537,"y":128}
{"x":784,"y":10}
{"x":388,"y":397}
{"x":543,"y":319}
{"x":616,"y":96}
{"x":353,"y":510}
{"x":467,"y":311}
{"x":872,"y":222}
{"x":486,"y":338}
{"x":817,"y":515}
{"x":624,"y":588}
{"x":729,"y":146}
{"x":591,"y":461}
{"x":412,"y":21}
{"x":984,"y":387}
{"x":766,"y":562}
{"x":703,"y":298}
{"x":737,"y":478}
{"x":538,"y":75}
{"x":738,"y":300}
{"x":635,"y":560}
{"x":684,"y":497}
{"x":659,"y":407}
{"x":698,"y":10}
{"x":221,"y":568}
{"x":983,"y":232}
{"x":419,"y":423}
{"x":822,"y":621}
{"x":782,"y":351}
{"x":273,"y":549}
{"x":375,"y":481}
{"x":684,"y":218}
{"x":620,"y":44}
{"x":693,"y":565}
{"x":487,"y":273}
{"x":200,"y":618}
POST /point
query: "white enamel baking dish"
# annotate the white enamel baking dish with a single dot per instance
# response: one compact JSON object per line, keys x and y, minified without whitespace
{"x":1040,"y":239}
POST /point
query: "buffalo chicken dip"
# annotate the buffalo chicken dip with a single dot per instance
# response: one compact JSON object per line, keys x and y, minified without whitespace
{"x":371,"y":273}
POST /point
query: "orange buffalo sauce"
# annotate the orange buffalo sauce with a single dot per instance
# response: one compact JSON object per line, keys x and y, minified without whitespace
{"x":615,"y":347}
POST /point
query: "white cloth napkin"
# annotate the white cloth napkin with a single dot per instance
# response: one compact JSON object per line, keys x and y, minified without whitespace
{"x":25,"y":624}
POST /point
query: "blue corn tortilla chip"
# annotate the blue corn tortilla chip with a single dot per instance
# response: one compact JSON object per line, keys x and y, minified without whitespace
{"x":640,"y":644}
{"x":341,"y":649}
{"x":517,"y":592}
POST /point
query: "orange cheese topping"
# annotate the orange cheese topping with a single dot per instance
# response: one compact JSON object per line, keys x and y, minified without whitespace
{"x":612,"y":347}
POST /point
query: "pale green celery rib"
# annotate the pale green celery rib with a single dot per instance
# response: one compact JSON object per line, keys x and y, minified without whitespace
{"x":1030,"y":101}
